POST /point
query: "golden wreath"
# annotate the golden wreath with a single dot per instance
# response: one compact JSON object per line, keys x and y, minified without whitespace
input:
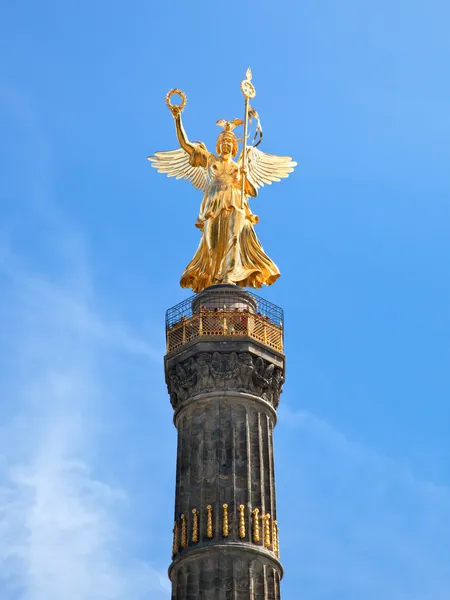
{"x":176,"y":92}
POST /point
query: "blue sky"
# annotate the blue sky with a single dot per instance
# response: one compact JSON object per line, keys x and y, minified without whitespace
{"x":93,"y":242}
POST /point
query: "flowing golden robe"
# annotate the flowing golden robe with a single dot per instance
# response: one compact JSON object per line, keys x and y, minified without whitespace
{"x":229,"y":251}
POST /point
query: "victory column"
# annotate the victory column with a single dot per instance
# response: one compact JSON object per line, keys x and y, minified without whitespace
{"x":224,"y":371}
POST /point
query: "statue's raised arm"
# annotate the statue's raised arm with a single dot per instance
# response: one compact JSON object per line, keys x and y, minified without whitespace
{"x":176,"y":110}
{"x":188,"y":162}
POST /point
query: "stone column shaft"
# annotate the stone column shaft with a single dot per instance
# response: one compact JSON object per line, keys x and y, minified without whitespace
{"x":225,"y":392}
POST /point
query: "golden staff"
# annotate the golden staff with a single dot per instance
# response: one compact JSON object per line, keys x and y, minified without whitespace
{"x":248,"y":89}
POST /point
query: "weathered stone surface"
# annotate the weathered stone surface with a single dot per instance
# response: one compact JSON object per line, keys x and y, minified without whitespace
{"x":229,"y":573}
{"x":230,"y":371}
{"x":225,"y":394}
{"x":225,"y":456}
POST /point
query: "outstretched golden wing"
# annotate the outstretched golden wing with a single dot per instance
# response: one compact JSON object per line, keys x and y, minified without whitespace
{"x":175,"y":163}
{"x":265,"y":168}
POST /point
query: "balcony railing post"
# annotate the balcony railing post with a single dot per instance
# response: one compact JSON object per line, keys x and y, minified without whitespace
{"x":184,"y":329}
{"x":200,"y":322}
{"x":224,"y":320}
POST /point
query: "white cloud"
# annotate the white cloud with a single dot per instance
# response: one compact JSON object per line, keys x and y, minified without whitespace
{"x":63,"y":528}
{"x":364,"y":525}
{"x":66,"y":531}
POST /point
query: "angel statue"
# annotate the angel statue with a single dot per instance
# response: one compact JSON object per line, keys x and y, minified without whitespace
{"x":229,"y":250}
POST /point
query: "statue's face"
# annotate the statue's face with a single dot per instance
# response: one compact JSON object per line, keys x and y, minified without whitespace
{"x":226,"y":148}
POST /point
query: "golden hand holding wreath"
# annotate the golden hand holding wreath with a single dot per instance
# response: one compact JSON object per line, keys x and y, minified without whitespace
{"x":176,"y":109}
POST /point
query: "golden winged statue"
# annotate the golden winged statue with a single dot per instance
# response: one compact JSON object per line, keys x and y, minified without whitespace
{"x":229,"y":250}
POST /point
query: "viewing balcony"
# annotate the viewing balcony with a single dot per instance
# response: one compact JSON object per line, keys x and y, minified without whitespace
{"x":224,"y":311}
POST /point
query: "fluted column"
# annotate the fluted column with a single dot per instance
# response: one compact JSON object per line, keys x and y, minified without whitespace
{"x":225,"y":392}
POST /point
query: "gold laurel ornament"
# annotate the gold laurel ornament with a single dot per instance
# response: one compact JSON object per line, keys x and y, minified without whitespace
{"x":256,"y":533}
{"x":225,"y":529}
{"x":209,"y":525}
{"x":267,"y":542}
{"x":195,"y":525}
{"x":275,"y":531}
{"x":242,"y":521}
{"x":175,"y":540}
{"x":176,"y":108}
{"x":183,"y":531}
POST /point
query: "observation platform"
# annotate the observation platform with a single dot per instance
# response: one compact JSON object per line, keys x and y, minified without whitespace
{"x":225,"y":311}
